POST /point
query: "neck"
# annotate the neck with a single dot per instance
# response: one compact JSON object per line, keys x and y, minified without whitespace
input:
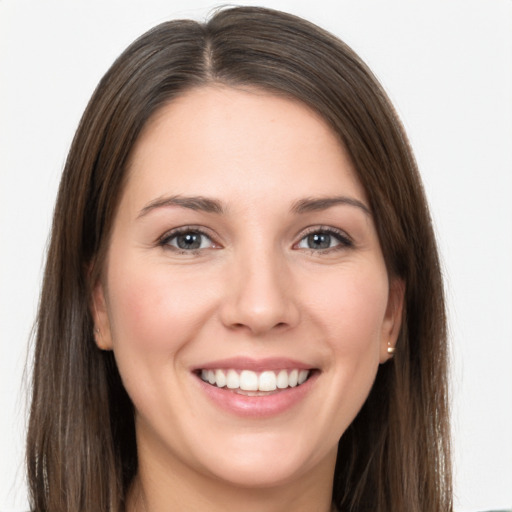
{"x":157,"y":490}
{"x":140,"y":500}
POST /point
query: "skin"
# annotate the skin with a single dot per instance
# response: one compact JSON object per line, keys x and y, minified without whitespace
{"x":255,"y":288}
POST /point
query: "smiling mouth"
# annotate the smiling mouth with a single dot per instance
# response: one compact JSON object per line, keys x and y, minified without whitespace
{"x":250,"y":383}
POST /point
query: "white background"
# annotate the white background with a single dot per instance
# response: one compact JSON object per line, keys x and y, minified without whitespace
{"x":447,"y":65}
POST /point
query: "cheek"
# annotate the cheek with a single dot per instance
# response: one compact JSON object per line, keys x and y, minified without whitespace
{"x":154,"y":314}
{"x":153,"y":310}
{"x":352,"y":309}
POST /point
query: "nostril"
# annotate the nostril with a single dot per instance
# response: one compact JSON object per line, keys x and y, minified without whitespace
{"x":258,"y":328}
{"x":238,"y":326}
{"x":258,"y":306}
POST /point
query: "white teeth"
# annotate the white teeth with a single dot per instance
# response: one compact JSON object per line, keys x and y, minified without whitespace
{"x":267,"y":381}
{"x":247,"y":380}
{"x":220,"y":378}
{"x":232,"y":380}
{"x":282,"y":379}
{"x":303,"y":375}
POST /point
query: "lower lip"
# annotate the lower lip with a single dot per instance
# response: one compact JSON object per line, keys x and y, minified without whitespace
{"x":257,"y":406}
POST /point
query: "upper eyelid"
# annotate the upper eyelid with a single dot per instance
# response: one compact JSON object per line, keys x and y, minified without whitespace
{"x":345,"y":241}
{"x":164,"y":242}
{"x":171,"y":233}
{"x":168,"y":235}
{"x":326,"y":229}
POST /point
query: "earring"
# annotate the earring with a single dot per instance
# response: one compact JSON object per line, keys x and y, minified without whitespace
{"x":391,"y":350}
{"x":98,"y":338}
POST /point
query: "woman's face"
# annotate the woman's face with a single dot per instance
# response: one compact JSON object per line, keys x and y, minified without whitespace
{"x":245,"y":294}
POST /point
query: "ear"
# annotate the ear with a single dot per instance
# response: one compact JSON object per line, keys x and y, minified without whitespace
{"x":393,"y":318}
{"x":99,"y":310}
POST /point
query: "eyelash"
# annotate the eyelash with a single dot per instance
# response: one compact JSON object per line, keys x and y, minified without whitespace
{"x":340,"y":236}
{"x":345,"y":242}
{"x":175,"y":233}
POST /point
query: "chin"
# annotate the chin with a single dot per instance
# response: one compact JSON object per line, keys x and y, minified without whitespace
{"x":265,"y":461}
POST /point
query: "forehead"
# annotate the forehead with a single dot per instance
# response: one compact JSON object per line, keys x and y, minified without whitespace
{"x":237,"y":141}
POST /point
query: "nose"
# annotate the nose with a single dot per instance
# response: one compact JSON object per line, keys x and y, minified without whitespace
{"x":260,"y":295}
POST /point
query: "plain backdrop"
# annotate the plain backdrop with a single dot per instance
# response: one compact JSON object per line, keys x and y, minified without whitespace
{"x":447,"y":66}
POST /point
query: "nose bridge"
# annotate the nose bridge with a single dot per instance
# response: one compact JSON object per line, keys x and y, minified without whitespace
{"x":260,"y":296}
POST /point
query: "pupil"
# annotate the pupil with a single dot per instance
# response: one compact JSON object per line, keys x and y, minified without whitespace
{"x":189,"y":241}
{"x":319,"y":241}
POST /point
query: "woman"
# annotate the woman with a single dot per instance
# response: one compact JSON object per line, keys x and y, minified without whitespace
{"x":242,"y":306}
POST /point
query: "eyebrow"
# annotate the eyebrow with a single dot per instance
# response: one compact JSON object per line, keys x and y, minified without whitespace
{"x":208,"y":205}
{"x":197,"y":203}
{"x":314,"y":204}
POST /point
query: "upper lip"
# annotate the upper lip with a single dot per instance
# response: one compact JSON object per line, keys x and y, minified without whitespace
{"x":256,"y":365}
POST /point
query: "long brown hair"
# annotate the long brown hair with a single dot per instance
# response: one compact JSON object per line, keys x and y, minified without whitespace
{"x":81,"y":451}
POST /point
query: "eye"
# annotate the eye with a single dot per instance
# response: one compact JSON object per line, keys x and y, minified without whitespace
{"x":187,"y":240}
{"x":324,"y":239}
